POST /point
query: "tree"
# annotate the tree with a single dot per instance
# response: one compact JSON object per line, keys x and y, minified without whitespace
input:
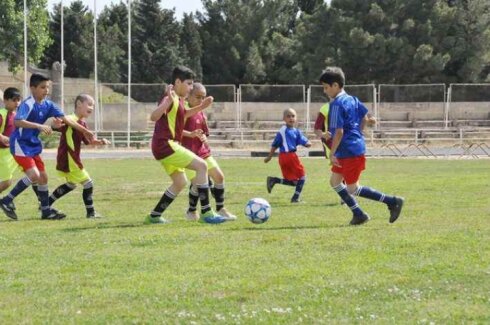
{"x":191,"y":46}
{"x":155,"y":42}
{"x":78,"y":40}
{"x":12,"y":31}
{"x":112,"y":42}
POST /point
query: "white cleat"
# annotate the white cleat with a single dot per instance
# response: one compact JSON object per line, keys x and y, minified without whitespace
{"x":227,"y":215}
{"x":192,"y":215}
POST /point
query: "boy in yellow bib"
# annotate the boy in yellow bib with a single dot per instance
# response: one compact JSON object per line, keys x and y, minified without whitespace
{"x":68,"y":162}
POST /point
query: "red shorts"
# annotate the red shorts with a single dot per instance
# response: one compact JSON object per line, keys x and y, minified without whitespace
{"x":291,"y":167}
{"x":29,"y":162}
{"x":350,"y":168}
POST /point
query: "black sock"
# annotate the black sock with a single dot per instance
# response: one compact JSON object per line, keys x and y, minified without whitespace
{"x":286,"y":182}
{"x":43,"y":193}
{"x":36,"y":191}
{"x":299,"y":188}
{"x":193,"y":199}
{"x":88,"y":190}
{"x":203,"y":191}
{"x":166,"y":199}
{"x":219,"y":196}
{"x":348,"y":199}
{"x":60,"y":191}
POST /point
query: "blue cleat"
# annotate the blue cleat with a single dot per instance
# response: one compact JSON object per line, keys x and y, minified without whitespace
{"x":212,"y":218}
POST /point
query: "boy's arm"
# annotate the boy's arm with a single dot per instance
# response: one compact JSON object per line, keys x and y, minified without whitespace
{"x":161,"y":109}
{"x":86,"y":132}
{"x":205,"y":104}
{"x":44,"y":129}
{"x":271,"y":153}
{"x":192,"y":134}
{"x":339,"y":133}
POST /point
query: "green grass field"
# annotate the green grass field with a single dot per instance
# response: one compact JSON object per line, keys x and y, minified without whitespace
{"x":304,"y":265}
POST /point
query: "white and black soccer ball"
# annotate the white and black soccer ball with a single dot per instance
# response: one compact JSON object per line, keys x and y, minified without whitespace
{"x":258,"y":210}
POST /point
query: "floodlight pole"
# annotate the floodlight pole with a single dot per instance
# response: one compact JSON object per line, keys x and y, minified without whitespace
{"x":62,"y":78}
{"x":96,"y":92}
{"x":129,"y":73}
{"x":25,"y":49}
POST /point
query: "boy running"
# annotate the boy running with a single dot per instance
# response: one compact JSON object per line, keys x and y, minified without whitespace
{"x":287,"y":139}
{"x":347,"y":117}
{"x":68,"y":162}
{"x":195,"y":139}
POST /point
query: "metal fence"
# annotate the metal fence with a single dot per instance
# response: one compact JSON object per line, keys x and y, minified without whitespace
{"x":249,"y":110}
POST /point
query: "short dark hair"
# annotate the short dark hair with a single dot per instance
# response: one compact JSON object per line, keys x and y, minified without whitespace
{"x":36,"y":79}
{"x":182,"y":73}
{"x":331,"y":75}
{"x":11,"y":93}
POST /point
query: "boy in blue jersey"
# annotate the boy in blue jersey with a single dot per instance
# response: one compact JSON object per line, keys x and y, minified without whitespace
{"x":26,"y":146}
{"x":346,"y":118}
{"x":287,"y":139}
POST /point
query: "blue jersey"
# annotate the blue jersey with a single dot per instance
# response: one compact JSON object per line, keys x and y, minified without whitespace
{"x":287,"y":139}
{"x":24,"y":141}
{"x":347,"y":113}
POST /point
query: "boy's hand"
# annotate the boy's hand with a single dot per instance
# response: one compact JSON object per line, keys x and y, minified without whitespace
{"x":328,"y":135}
{"x":307,"y":145}
{"x":267,"y":159}
{"x":105,"y":141}
{"x":207,"y":102}
{"x":334,"y":161}
{"x":4,"y":140}
{"x":196,"y":133}
{"x":57,"y":123}
{"x":45,"y":129}
{"x":203,"y":138}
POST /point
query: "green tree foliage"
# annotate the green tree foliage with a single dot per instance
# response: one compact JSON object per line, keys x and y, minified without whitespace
{"x":112,"y":42}
{"x":191,"y":45}
{"x":155,"y":42}
{"x":12,"y":31}
{"x":78,"y":40}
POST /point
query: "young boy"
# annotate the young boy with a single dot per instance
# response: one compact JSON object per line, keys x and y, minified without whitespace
{"x":26,"y":146}
{"x":287,"y":139}
{"x":347,"y":117}
{"x":195,"y":139}
{"x":69,"y":164}
{"x":169,"y":118}
{"x":11,"y":99}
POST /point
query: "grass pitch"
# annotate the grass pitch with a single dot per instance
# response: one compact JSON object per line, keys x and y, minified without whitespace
{"x":304,"y":265}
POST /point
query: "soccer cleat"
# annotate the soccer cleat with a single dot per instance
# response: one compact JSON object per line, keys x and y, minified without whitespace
{"x":149,"y":220}
{"x":211,"y":218}
{"x":192,"y":215}
{"x":54,"y":215}
{"x":94,"y":215}
{"x":270,"y":183}
{"x":12,"y":206}
{"x":396,"y":209}
{"x":227,"y":215}
{"x":297,"y":201}
{"x":359,"y":220}
{"x":9,"y":212}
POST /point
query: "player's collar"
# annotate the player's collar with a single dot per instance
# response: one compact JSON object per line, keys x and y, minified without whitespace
{"x":342,"y":92}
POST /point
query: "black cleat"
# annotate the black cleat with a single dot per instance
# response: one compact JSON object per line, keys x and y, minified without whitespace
{"x":7,"y":209}
{"x":54,"y":215}
{"x":270,"y":183}
{"x":395,"y":209}
{"x":359,"y":220}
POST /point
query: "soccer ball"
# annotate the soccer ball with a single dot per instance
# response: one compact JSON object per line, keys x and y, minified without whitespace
{"x":258,"y":210}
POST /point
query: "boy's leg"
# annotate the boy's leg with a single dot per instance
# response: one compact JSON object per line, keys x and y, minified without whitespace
{"x":43,"y":194}
{"x":88,"y":191}
{"x":60,"y":191}
{"x":394,"y":203}
{"x":359,"y":217}
{"x":218,"y":177}
{"x":179,"y":181}
{"x":201,"y":168}
{"x":299,"y":187}
{"x":191,"y":213}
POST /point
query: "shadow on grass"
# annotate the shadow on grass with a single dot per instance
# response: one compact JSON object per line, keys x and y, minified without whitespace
{"x":304,"y":204}
{"x":258,"y":228}
{"x":103,"y":226}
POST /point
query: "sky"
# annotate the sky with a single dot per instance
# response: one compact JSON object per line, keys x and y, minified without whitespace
{"x":181,"y":6}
